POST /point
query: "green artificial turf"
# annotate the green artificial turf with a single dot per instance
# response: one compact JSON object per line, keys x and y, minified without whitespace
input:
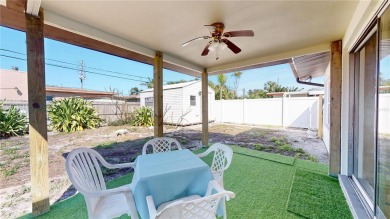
{"x":312,"y":166}
{"x":262,"y":189}
{"x":264,"y":155}
{"x":316,"y":195}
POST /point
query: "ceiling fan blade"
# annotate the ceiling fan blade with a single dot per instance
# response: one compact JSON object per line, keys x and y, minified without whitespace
{"x":195,"y":39}
{"x":232,"y":46}
{"x":239,"y":33}
{"x":206,"y":49}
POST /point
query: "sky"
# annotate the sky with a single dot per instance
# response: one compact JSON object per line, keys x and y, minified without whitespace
{"x":63,"y":61}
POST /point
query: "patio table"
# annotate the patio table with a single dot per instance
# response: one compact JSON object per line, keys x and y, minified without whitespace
{"x":168,"y":176}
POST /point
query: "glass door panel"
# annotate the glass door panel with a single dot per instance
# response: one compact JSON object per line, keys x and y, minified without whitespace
{"x":383,"y":175}
{"x":365,"y":119}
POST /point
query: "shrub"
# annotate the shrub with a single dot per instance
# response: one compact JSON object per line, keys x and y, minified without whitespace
{"x":286,"y":147}
{"x":12,"y":122}
{"x":143,"y":116}
{"x":72,"y":114}
{"x":259,"y":147}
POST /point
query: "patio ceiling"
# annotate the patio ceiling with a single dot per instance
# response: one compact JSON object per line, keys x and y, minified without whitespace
{"x":283,"y":29}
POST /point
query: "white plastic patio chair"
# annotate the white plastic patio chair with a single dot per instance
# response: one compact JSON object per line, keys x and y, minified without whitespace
{"x":191,"y":207}
{"x":82,"y":166}
{"x":223,"y":155}
{"x":159,"y":145}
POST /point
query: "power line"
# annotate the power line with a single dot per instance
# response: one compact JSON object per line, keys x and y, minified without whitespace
{"x":63,"y":62}
{"x":66,"y":67}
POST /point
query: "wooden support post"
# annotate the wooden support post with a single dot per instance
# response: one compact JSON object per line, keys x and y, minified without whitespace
{"x":158,"y":94}
{"x":335,"y":108}
{"x":320,"y":116}
{"x":39,"y":161}
{"x":205,"y":108}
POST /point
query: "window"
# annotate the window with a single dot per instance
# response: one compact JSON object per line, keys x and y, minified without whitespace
{"x":149,"y":101}
{"x":49,"y":98}
{"x":192,"y":100}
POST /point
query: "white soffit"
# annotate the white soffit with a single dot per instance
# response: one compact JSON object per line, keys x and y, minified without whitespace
{"x":310,"y":66}
{"x":3,"y":3}
{"x":33,"y":7}
{"x":148,"y":26}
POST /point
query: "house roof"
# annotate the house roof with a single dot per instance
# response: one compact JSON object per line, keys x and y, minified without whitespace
{"x":174,"y":86}
{"x":283,"y":29}
{"x":79,"y":91}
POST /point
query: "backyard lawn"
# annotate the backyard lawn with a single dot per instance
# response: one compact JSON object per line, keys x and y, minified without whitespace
{"x":15,"y":198}
{"x":266,"y":186}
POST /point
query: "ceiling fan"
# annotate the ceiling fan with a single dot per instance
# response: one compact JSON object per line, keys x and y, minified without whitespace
{"x":219,"y":39}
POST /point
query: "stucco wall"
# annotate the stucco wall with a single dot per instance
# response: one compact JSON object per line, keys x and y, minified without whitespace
{"x":13,"y":85}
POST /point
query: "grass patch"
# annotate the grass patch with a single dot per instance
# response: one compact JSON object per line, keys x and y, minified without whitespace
{"x":107,"y":145}
{"x":312,"y":193}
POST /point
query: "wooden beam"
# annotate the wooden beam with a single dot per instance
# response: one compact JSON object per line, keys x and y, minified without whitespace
{"x":335,"y":108}
{"x":15,"y":19}
{"x":205,"y":108}
{"x":17,"y":5}
{"x":39,"y":161}
{"x":320,"y":116}
{"x":158,"y":95}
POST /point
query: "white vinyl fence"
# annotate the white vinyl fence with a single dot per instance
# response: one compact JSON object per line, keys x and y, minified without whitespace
{"x":300,"y":112}
{"x":384,"y":114}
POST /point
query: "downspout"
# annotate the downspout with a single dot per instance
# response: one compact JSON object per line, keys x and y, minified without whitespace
{"x":309,"y":83}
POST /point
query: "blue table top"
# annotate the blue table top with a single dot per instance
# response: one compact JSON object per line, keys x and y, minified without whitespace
{"x":168,"y":176}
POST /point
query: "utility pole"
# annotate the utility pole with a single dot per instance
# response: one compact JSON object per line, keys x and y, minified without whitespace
{"x":82,"y":75}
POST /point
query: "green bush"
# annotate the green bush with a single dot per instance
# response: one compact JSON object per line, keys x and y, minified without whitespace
{"x":143,"y":116}
{"x":12,"y":122}
{"x":72,"y":114}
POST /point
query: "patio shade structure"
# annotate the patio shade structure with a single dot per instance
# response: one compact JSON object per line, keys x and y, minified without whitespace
{"x":152,"y":33}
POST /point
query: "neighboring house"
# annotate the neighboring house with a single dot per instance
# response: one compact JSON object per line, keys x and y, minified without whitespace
{"x":182,"y":102}
{"x":53,"y":93}
{"x":13,"y":87}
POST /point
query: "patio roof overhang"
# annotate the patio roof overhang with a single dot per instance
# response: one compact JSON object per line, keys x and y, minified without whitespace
{"x":283,"y":30}
{"x":152,"y":32}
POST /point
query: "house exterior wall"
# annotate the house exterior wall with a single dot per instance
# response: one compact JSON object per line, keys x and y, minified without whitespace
{"x":194,"y":112}
{"x":11,"y":79}
{"x":177,"y":107}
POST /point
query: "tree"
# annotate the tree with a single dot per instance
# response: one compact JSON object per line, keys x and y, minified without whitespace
{"x":177,"y":82}
{"x":134,"y":91}
{"x":257,"y":93}
{"x":272,"y":86}
{"x":236,"y":77}
{"x":149,"y":83}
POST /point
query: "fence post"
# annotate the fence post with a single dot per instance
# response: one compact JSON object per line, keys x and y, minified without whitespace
{"x":243,"y":111}
{"x":284,"y":110}
{"x":221,"y":110}
{"x":320,"y":116}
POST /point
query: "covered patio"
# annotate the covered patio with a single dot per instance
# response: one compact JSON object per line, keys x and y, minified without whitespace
{"x":153,"y":33}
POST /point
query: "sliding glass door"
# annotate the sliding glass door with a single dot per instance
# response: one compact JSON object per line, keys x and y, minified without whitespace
{"x":371,"y":118}
{"x":364,"y":161}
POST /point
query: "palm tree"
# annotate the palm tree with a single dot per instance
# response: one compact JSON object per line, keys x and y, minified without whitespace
{"x":236,"y":76}
{"x":149,"y":83}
